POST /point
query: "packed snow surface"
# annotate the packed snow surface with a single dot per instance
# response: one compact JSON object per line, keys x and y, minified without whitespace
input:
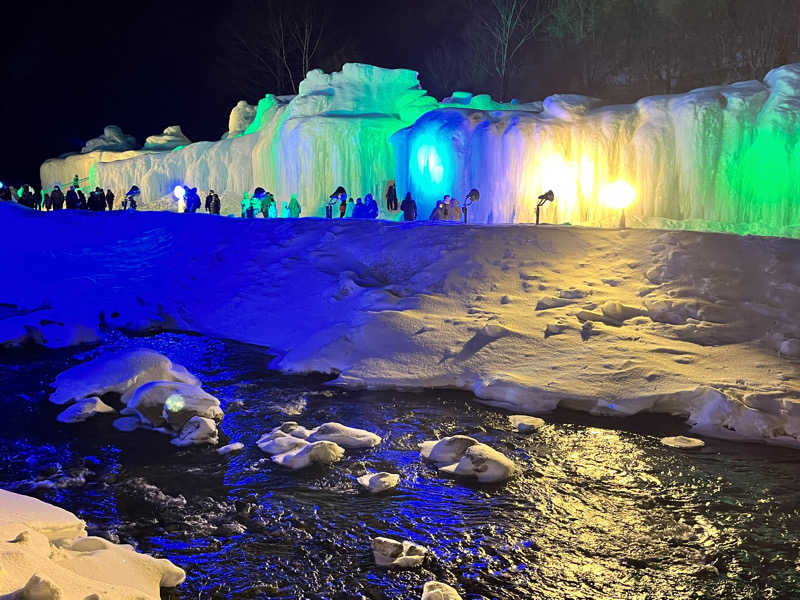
{"x":45,"y":554}
{"x":719,"y":158}
{"x":528,"y":319}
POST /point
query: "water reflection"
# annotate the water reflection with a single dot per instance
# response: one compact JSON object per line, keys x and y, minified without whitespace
{"x":600,"y":509}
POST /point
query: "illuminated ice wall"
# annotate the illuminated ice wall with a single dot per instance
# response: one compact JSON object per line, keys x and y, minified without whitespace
{"x":723,"y":158}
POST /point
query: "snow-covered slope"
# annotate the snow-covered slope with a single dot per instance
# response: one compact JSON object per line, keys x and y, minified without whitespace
{"x":612,"y":322}
{"x":45,"y":554}
{"x":722,"y":158}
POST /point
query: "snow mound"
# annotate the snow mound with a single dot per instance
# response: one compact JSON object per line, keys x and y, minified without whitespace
{"x":525,"y":424}
{"x":230,"y":448}
{"x":197,"y":430}
{"x":121,"y":373}
{"x":393,"y":554}
{"x":112,"y":139}
{"x":446,"y":450}
{"x":49,"y":328}
{"x":46,"y":555}
{"x":171,"y":403}
{"x":171,"y":138}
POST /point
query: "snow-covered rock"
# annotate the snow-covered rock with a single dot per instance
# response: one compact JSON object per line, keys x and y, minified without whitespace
{"x":790,"y":349}
{"x":112,"y":139}
{"x":435,"y":590}
{"x":525,"y":423}
{"x":484,"y":463}
{"x":50,"y":329}
{"x":171,"y":138}
{"x":446,"y":450}
{"x":323,"y":453}
{"x":347,"y":437}
{"x":46,"y":555}
{"x":172,"y":403}
{"x":121,"y":373}
{"x":375,"y":483}
{"x":197,"y":430}
{"x":394,"y":554}
{"x":84,"y":409}
{"x":683,"y":442}
{"x":279,"y":443}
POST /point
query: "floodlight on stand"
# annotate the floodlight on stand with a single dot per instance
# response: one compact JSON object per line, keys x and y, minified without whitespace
{"x":548,"y":196}
{"x":471,"y":198}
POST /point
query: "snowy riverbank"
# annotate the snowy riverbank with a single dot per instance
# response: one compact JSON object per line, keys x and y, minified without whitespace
{"x":609,"y":322}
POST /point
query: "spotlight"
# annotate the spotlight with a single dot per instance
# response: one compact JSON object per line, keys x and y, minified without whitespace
{"x":619,"y":194}
{"x":179,"y":192}
{"x":548,"y":196}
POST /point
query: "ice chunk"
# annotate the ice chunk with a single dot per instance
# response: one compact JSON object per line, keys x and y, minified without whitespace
{"x":279,"y":443}
{"x":241,"y":117}
{"x":683,"y":442}
{"x":121,"y":373}
{"x":228,"y":449}
{"x":391,"y":553}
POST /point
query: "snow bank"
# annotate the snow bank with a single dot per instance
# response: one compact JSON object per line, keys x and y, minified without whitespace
{"x":171,"y":138}
{"x":719,"y":158}
{"x":112,"y":139}
{"x":46,"y":555}
{"x":697,"y":320}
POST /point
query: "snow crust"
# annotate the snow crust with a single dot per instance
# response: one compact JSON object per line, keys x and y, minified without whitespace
{"x":46,"y":555}
{"x":113,"y":138}
{"x":388,"y":305}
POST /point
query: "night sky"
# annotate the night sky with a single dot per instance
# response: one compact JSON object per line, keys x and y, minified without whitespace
{"x":68,"y":69}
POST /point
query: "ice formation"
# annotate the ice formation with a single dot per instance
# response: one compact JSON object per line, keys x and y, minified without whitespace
{"x":45,"y":554}
{"x":682,"y":442}
{"x":160,"y":403}
{"x":171,"y":138}
{"x":446,"y":450}
{"x":440,"y":306}
{"x":112,"y":139}
{"x":84,"y":409}
{"x":347,"y":437}
{"x":394,"y":554}
{"x":721,"y":157}
{"x":322,"y":453}
{"x":717,"y":158}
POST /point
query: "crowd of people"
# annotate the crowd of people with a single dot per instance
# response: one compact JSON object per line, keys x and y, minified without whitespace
{"x":339,"y":204}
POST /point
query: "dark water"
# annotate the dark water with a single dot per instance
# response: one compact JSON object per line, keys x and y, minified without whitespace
{"x":600,"y":510}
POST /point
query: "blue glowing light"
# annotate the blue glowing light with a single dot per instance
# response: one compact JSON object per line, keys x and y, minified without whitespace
{"x":179,"y":192}
{"x":2,"y":185}
{"x":430,"y":163}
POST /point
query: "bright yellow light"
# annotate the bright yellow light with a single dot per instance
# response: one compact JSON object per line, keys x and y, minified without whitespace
{"x":619,"y":194}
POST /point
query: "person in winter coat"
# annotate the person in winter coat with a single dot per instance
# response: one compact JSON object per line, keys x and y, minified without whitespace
{"x":342,"y":206}
{"x":247,"y":207}
{"x":348,"y":213}
{"x":27,"y":198}
{"x":335,"y":198}
{"x":57,"y":198}
{"x":215,"y":204}
{"x":101,"y":198}
{"x":76,"y":182}
{"x":91,"y":203}
{"x":272,"y":207}
{"x":192,"y":200}
{"x":391,"y":197}
{"x":110,"y":199}
{"x":209,"y":198}
{"x":409,"y":208}
{"x":72,"y":198}
{"x":359,"y":210}
{"x":455,"y":210}
{"x":47,"y":203}
{"x":129,"y":203}
{"x":82,"y":200}
{"x":294,"y":207}
{"x":438,"y":212}
{"x":371,"y":207}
